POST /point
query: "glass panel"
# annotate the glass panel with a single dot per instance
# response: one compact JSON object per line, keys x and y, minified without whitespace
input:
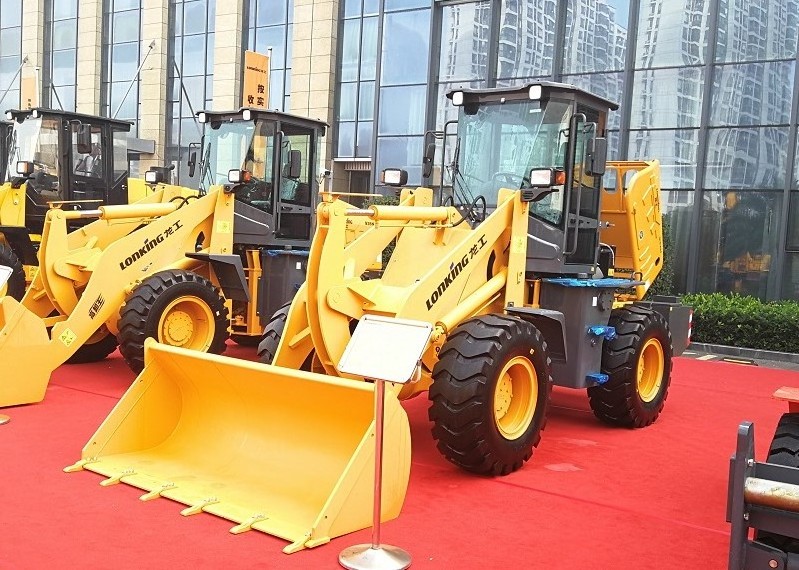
{"x":366,"y":101}
{"x":126,"y":27}
{"x":276,"y":89}
{"x":67,"y":95}
{"x":790,"y":281}
{"x":10,"y":41}
{"x":596,"y":35}
{"x":346,"y":139}
{"x":738,"y":242}
{"x":526,"y":38}
{"x":65,"y":34}
{"x":402,"y":110}
{"x":753,"y":93}
{"x":128,"y":110}
{"x":446,"y":111}
{"x":672,"y":33}
{"x":126,"y":5}
{"x":349,"y":50}
{"x":747,"y":158}
{"x":193,"y":55}
{"x":364,"y":146}
{"x":369,"y":48}
{"x":348,"y":101}
{"x":352,"y":8}
{"x":271,"y":12}
{"x":400,"y":152}
{"x":795,"y":182}
{"x":655,"y":103}
{"x":465,"y":33}
{"x":64,"y":9}
{"x":406,"y":43}
{"x":194,"y":15}
{"x":371,"y":7}
{"x":64,"y":67}
{"x":11,"y":14}
{"x":8,"y":67}
{"x":676,"y":150}
{"x":756,"y":30}
{"x":793,"y":223}
{"x":607,"y":85}
{"x":404,"y":4}
{"x":124,"y":61}
{"x":677,"y":210}
{"x":273,"y":37}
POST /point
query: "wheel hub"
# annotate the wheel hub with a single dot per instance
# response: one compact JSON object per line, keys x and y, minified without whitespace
{"x":187,"y":322}
{"x":178,"y":328}
{"x":650,"y":370}
{"x":515,"y":397}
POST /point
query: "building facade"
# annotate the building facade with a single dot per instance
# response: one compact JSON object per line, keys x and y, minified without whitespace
{"x":709,"y":87}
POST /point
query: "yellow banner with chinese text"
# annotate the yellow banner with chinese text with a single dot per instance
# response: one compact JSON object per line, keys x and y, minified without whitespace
{"x":255,"y":87}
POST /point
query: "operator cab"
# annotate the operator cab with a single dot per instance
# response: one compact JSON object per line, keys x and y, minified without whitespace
{"x":542,"y":138}
{"x":280,"y":152}
{"x":66,"y":157}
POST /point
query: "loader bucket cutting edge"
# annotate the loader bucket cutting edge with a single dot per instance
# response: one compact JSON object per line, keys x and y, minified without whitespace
{"x":24,"y":355}
{"x":286,"y":452}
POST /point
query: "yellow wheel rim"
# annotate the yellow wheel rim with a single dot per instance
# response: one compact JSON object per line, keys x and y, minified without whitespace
{"x":650,"y":370}
{"x":187,"y":322}
{"x":515,"y":397}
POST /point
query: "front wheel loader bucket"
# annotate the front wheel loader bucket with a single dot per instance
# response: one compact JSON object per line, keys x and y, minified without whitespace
{"x":25,"y":361}
{"x":286,"y":452}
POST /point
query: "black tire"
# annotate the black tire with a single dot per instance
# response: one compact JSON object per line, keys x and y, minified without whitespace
{"x":15,"y":286}
{"x":784,"y":450}
{"x":148,"y":303}
{"x":267,"y":347}
{"x":95,"y":351}
{"x":245,"y":339}
{"x":464,"y":394}
{"x":624,"y":400}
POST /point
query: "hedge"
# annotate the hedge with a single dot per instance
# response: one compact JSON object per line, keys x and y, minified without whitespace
{"x":746,"y":322}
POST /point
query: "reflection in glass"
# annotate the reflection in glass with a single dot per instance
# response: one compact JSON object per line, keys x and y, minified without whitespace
{"x":346,"y":139}
{"x":11,"y":13}
{"x":10,"y":41}
{"x":126,"y":26}
{"x":753,"y":93}
{"x":677,"y":208}
{"x":400,"y":152}
{"x":348,"y":100}
{"x":465,"y":32}
{"x":596,"y":35}
{"x":747,"y":158}
{"x":349,"y":50}
{"x":792,"y":242}
{"x":406,"y":44}
{"x":667,"y":98}
{"x":366,"y":101}
{"x":526,"y":38}
{"x":402,"y":110}
{"x":675,"y":149}
{"x":790,"y":279}
{"x":607,"y":85}
{"x":738,"y":242}
{"x":363,"y":148}
{"x":672,"y":32}
{"x":369,"y":49}
{"x":756,"y":29}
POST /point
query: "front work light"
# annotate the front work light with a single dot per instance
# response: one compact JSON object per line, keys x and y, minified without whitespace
{"x":394,"y":177}
{"x":24,"y":168}
{"x":535,"y":92}
{"x":238,"y":176}
{"x":457,"y":98}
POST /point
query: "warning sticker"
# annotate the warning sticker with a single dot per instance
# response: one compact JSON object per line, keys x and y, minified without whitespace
{"x":518,"y":244}
{"x":67,"y":337}
{"x":223,"y":227}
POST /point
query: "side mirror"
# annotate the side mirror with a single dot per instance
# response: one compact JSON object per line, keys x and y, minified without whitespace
{"x":295,"y":164}
{"x":596,"y":154}
{"x":84,"y":139}
{"x":192,"y":163}
{"x":427,"y":161}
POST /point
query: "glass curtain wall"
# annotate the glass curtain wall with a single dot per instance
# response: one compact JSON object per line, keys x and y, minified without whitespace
{"x":10,"y":52}
{"x":190,"y":79}
{"x":61,"y":51}
{"x":121,"y":56}
{"x":270,"y":27}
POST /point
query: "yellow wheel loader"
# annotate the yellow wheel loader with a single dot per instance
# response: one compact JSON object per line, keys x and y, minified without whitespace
{"x":532,"y":273}
{"x":167,"y":266}
{"x":55,"y":156}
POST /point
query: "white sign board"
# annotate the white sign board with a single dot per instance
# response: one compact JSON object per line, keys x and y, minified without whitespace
{"x":385,"y":348}
{"x":5,"y":274}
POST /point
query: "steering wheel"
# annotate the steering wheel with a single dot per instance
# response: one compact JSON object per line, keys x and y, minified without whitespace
{"x":509,"y":180}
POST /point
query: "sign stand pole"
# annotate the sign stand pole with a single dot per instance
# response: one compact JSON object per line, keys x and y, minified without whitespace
{"x":365,"y":356}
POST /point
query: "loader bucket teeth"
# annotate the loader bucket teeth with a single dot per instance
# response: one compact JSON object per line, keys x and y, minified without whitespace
{"x":24,"y":358}
{"x":282,"y":451}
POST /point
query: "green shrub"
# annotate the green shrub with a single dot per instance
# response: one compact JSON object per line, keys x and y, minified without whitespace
{"x":664,"y":282}
{"x":747,"y":322}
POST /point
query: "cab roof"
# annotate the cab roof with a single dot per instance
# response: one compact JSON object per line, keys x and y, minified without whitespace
{"x":20,"y":115}
{"x":549,"y":90}
{"x":265,"y":114}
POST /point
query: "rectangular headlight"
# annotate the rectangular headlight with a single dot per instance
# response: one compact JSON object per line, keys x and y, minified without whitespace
{"x":151,"y":177}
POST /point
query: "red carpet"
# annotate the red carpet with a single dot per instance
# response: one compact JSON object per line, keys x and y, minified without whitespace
{"x":592,"y":497}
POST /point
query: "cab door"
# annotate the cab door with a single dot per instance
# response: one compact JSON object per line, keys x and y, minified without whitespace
{"x":296,"y":186}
